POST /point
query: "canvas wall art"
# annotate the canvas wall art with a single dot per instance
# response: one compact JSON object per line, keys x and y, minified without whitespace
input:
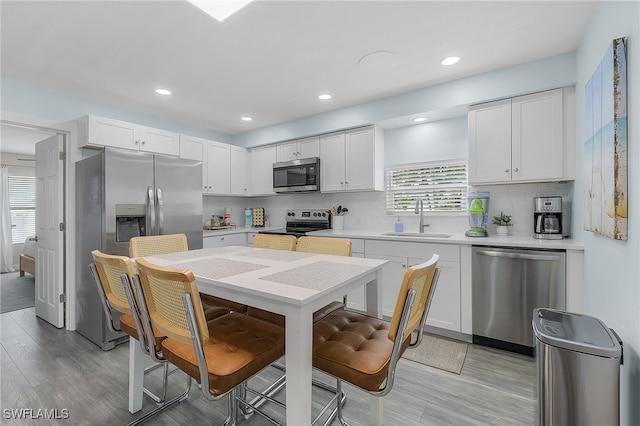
{"x":605,"y":145}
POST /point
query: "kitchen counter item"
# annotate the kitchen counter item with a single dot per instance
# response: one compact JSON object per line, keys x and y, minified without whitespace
{"x":258,"y":217}
{"x":507,"y":284}
{"x":478,"y":203}
{"x":248,"y":218}
{"x":578,"y":363}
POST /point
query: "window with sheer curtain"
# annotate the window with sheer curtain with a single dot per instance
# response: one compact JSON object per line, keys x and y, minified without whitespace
{"x":22,"y":204}
{"x":442,"y":185}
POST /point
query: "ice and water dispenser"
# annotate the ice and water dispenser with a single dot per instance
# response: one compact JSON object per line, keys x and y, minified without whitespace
{"x":131,"y":221}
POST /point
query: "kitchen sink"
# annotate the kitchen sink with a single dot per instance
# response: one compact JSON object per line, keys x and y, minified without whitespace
{"x":417,"y":234}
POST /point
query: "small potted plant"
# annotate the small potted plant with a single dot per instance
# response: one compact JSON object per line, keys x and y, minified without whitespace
{"x":503,"y":223}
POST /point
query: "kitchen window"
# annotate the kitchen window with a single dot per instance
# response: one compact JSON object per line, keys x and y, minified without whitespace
{"x":442,"y":186}
{"x":22,"y":204}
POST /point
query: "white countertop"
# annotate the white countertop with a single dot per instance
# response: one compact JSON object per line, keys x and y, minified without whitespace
{"x":238,"y":230}
{"x":456,"y":238}
{"x":459,"y":238}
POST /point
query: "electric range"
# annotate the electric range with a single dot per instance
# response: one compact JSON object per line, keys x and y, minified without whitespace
{"x":301,"y":221}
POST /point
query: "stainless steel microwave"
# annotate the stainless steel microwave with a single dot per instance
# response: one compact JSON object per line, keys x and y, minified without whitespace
{"x":297,"y":176}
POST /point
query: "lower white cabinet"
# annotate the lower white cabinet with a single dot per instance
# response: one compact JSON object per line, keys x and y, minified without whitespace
{"x":250,"y":237}
{"x":445,"y":311}
{"x":224,"y":240}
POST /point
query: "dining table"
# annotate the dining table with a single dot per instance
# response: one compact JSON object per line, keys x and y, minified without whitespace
{"x":293,"y":284}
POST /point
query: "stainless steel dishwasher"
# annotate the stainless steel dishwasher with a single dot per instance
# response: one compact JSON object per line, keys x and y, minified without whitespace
{"x":508,"y":283}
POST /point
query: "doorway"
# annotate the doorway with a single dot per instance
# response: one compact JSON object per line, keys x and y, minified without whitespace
{"x":18,"y":156}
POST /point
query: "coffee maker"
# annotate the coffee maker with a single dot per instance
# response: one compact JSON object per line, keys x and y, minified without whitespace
{"x":547,"y":218}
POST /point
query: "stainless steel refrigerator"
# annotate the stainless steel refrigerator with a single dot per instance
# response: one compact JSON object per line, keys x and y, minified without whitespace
{"x":121,"y":194}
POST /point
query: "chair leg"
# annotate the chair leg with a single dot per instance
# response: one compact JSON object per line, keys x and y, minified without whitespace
{"x":339,"y":403}
{"x":165,"y":376}
{"x":167,"y":404}
{"x":232,"y":408}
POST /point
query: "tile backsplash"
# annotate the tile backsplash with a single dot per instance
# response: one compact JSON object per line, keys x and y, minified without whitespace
{"x":367,"y":209}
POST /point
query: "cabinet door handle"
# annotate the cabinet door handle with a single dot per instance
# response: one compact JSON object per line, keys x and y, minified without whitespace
{"x":506,"y":170}
{"x":515,"y":170}
{"x":404,"y":265}
{"x":136,"y":142}
{"x":143,"y":142}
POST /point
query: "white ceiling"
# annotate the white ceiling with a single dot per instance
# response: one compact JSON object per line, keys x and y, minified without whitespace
{"x":272,"y":58}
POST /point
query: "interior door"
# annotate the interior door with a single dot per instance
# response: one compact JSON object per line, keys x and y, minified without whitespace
{"x":49,"y":237}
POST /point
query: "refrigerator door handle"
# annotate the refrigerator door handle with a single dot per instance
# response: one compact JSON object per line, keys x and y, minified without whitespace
{"x":160,"y":211}
{"x":151,"y":212}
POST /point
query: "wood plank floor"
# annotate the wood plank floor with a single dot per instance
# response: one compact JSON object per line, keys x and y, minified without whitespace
{"x":46,"y":368}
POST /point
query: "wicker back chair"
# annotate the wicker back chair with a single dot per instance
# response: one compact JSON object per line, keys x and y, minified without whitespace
{"x":363,"y":350}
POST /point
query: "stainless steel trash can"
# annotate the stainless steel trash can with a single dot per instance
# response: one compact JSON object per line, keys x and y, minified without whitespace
{"x":578,"y":361}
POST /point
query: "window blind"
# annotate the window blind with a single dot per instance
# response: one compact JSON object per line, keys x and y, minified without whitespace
{"x":22,"y":204}
{"x":442,"y":186}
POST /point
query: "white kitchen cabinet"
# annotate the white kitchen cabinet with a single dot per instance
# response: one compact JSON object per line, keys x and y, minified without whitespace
{"x":239,"y":167}
{"x":352,"y":160}
{"x":262,"y":160}
{"x":95,"y":131}
{"x":445,"y":310}
{"x":250,"y":237}
{"x":215,"y":157}
{"x":297,"y":149}
{"x":517,"y":140}
{"x":239,"y":239}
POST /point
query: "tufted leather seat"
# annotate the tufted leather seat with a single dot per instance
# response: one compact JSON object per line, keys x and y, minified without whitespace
{"x":354,"y":347}
{"x":239,"y":347}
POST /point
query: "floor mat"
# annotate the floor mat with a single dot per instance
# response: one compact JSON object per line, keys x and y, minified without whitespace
{"x":17,"y":292}
{"x":439,"y":352}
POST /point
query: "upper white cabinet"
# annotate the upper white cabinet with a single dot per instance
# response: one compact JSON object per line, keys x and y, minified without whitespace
{"x":352,"y":160}
{"x":518,"y":140}
{"x":97,"y":131}
{"x":216,"y":159}
{"x":262,"y":160}
{"x":297,"y":149}
{"x":239,"y":166}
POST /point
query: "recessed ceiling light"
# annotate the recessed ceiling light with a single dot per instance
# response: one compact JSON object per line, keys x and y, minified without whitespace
{"x":324,"y":96}
{"x":450,"y":60}
{"x":220,"y":10}
{"x":420,"y":119}
{"x":246,"y":118}
{"x":163,"y":92}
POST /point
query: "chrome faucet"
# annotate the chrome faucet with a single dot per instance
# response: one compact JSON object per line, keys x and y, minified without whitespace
{"x":420,"y":210}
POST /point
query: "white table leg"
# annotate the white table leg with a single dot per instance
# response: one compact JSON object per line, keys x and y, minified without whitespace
{"x":377,"y":414}
{"x":374,"y":308}
{"x":373,"y":296}
{"x":299,"y":341}
{"x":136,"y":375}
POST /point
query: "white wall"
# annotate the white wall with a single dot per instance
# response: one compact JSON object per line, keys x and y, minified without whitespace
{"x":544,"y":74}
{"x":37,"y":101}
{"x":612,"y":268}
